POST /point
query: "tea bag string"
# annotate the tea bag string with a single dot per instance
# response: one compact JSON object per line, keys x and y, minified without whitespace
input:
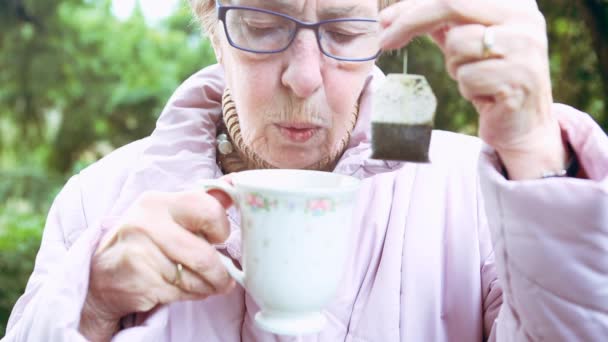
{"x":405,"y":61}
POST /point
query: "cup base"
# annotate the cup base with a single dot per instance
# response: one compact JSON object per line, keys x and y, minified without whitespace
{"x":290,"y":323}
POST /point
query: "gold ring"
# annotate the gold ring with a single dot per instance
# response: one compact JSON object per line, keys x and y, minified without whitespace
{"x":488,"y":42}
{"x":179,"y":268}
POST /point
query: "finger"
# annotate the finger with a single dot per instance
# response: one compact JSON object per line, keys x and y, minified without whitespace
{"x":505,"y":94}
{"x":403,"y":28}
{"x":221,"y":196}
{"x":182,"y":246}
{"x":175,"y":274}
{"x":417,"y":17}
{"x":191,"y":283}
{"x":147,"y":272}
{"x":389,"y":14}
{"x":202,"y":214}
{"x":465,"y":44}
{"x":439,"y":36}
{"x":168,"y":271}
{"x":502,"y":80}
{"x":170,"y":294}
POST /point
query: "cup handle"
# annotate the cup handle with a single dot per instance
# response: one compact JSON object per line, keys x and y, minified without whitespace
{"x":234,"y":272}
{"x":215,"y":184}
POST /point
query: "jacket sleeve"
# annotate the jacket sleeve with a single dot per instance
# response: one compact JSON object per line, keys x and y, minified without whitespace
{"x":49,"y":310}
{"x":550,"y":240}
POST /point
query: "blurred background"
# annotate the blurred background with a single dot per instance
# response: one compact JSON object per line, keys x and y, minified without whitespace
{"x":79,"y":78}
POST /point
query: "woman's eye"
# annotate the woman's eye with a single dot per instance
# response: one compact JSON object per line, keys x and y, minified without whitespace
{"x":343,"y":37}
{"x":261,"y":27}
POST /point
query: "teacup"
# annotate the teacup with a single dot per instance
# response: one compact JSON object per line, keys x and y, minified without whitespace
{"x":295,"y":227}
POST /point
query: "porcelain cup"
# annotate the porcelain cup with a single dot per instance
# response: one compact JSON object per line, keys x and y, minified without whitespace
{"x":295,"y":226}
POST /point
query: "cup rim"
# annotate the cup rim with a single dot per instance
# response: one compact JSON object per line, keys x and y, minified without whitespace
{"x":350,"y":183}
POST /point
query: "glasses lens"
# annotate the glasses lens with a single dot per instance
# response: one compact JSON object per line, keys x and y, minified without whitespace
{"x":258,"y":31}
{"x":350,"y":39}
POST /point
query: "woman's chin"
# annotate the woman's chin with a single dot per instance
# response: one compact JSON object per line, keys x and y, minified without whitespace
{"x":302,"y":160}
{"x":295,"y":164}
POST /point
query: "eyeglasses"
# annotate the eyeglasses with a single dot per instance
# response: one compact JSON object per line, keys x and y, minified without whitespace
{"x":262,"y":31}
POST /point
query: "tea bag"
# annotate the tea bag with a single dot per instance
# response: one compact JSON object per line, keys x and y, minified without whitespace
{"x":402,"y":120}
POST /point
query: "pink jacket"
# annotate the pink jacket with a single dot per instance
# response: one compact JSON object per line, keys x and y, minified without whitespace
{"x":431,"y":261}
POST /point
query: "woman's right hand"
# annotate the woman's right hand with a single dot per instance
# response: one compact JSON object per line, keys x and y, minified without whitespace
{"x":135,"y":267}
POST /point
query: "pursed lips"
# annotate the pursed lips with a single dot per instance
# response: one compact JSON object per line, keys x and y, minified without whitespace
{"x":298,"y":132}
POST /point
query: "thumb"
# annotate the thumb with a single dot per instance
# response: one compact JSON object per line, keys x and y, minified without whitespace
{"x":222,"y":197}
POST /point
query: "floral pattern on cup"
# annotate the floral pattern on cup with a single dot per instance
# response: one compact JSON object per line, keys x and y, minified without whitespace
{"x":316,"y":207}
{"x":258,"y":202}
{"x":320,"y":207}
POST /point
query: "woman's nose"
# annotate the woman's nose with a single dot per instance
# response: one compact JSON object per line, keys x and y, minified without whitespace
{"x":303,"y":72}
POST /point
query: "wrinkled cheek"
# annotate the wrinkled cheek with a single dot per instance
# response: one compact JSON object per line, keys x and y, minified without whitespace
{"x":344,"y":88}
{"x":254,"y":79}
{"x":258,"y":139}
{"x":261,"y":82}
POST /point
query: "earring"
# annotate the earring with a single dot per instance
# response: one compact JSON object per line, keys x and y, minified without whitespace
{"x":224,"y":146}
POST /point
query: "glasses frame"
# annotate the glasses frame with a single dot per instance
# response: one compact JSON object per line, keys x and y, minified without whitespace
{"x":223,"y":10}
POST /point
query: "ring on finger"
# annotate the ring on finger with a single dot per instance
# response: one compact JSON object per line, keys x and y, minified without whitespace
{"x":488,"y":43}
{"x":179,"y":269}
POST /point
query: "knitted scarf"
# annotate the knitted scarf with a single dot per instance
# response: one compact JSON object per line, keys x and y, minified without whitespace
{"x":244,"y":158}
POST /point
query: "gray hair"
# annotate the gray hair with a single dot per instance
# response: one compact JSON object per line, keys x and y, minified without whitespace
{"x":204,"y":11}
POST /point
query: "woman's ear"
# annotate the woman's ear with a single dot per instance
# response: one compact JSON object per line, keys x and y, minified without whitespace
{"x":217,"y":47}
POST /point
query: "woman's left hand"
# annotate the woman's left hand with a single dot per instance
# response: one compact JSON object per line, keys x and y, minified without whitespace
{"x":498,"y":53}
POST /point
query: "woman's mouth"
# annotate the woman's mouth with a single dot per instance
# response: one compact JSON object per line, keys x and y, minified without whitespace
{"x":298,"y":133}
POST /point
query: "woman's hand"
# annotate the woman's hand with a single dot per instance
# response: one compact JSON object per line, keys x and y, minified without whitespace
{"x":497,"y":51}
{"x":135,"y":268}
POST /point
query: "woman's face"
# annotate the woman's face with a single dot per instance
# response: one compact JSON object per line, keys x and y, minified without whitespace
{"x":295,"y":106}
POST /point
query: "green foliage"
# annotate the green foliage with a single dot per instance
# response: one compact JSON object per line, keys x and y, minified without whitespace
{"x":575,"y":69}
{"x":20,"y":234}
{"x":82,"y":78}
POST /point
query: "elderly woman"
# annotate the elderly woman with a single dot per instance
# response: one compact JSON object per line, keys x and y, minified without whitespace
{"x":477,"y":245}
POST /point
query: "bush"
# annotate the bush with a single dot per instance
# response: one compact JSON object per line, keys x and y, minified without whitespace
{"x":20,"y":234}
